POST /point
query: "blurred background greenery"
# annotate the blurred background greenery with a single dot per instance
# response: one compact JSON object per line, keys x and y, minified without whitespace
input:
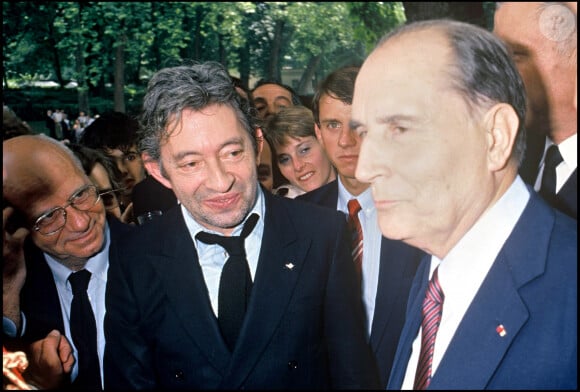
{"x":98,"y":56}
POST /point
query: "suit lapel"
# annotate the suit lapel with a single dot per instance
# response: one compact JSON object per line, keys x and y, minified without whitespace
{"x":567,"y":197}
{"x":280,"y":263}
{"x":412,"y":324}
{"x":395,"y":268}
{"x":477,"y":347}
{"x":177,"y":265}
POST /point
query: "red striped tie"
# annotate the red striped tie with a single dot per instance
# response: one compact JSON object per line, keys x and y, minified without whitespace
{"x":432,"y":309}
{"x":357,"y":234}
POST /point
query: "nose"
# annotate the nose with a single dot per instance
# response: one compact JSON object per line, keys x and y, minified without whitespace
{"x":297,"y":164}
{"x":347,"y":137}
{"x":218,"y":177}
{"x":77,"y":221}
{"x":369,"y":158}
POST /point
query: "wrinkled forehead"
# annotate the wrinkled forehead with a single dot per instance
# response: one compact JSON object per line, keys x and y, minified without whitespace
{"x":34,"y":170}
{"x":413,"y":64}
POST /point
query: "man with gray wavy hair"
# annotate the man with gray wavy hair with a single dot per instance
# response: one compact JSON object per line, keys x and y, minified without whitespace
{"x":236,"y":289}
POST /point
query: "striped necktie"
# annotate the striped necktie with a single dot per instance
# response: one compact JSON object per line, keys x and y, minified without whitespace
{"x":432,"y":310}
{"x":357,"y":234}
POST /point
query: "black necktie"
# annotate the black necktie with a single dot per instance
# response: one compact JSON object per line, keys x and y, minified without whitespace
{"x":235,"y":281}
{"x":551,"y":161}
{"x":83,"y":329}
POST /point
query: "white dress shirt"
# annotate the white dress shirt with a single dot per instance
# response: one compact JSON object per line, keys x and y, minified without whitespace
{"x":97,"y":266}
{"x":463,"y":270}
{"x":371,"y":246}
{"x":212,"y":257}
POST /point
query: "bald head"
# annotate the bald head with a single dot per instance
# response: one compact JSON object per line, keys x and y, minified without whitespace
{"x":33,"y":168}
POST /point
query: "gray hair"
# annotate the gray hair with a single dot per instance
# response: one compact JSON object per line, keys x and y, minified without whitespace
{"x":482,"y":71}
{"x":173,"y":89}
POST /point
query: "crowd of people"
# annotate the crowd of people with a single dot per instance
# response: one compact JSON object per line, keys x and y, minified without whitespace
{"x":60,"y":127}
{"x":414,"y":227}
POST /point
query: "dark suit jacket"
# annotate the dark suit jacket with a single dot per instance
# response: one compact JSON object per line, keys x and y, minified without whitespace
{"x":39,"y":299}
{"x":397,"y":268}
{"x":304,"y":328}
{"x":566,"y":199}
{"x":151,"y":195}
{"x":531,"y":289}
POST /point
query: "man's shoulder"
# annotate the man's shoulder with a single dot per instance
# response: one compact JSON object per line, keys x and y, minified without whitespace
{"x":320,"y":195}
{"x":304,"y":210}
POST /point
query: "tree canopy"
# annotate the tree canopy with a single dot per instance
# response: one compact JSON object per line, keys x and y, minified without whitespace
{"x":121,"y":44}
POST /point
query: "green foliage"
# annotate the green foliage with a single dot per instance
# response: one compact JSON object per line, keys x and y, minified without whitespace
{"x":77,"y":40}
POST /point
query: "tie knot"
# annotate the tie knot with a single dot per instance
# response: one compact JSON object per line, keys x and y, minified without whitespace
{"x":233,"y":245}
{"x":553,"y":156}
{"x":79,"y":281}
{"x":353,"y":207}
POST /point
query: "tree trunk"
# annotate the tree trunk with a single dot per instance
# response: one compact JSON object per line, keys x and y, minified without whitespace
{"x":274,"y":71}
{"x":119,"y":89}
{"x":245,"y":67}
{"x":55,"y":56}
{"x":305,"y":86}
{"x":82,"y":88}
{"x":155,"y":44}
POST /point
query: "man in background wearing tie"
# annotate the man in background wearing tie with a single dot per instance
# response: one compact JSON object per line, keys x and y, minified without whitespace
{"x":386,"y":267}
{"x":69,"y":237}
{"x":440,"y":106}
{"x":542,"y":38}
{"x":236,"y":289}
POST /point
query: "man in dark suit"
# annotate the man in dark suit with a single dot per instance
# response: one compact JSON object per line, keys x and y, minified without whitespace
{"x":388,"y":266}
{"x":68,"y":231}
{"x":301,"y":326}
{"x":545,"y":53}
{"x":440,"y":106}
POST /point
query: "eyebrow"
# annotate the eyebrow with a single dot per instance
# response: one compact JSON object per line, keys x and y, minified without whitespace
{"x":393,"y":119}
{"x":282,"y":98}
{"x":238,"y":140}
{"x":396,"y":118}
{"x":353,"y":124}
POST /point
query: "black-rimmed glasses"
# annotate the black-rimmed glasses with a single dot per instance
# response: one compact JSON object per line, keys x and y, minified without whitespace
{"x":54,"y":220}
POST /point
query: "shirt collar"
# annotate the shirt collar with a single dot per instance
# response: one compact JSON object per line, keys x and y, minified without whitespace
{"x":259,"y":208}
{"x":568,"y":149}
{"x":96,"y":265}
{"x":365,"y":199}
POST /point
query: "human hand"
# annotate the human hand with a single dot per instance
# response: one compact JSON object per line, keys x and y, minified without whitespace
{"x":50,"y":361}
{"x":13,"y":266}
{"x":127,"y":215}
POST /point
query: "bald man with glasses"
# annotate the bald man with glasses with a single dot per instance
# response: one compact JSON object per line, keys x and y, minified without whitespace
{"x":63,"y":228}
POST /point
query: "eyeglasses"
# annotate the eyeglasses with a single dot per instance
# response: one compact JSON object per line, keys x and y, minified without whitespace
{"x":111,"y":198}
{"x":54,"y":220}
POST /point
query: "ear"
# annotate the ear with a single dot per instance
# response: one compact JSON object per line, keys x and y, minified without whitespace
{"x":260,"y":141}
{"x":153,"y":168}
{"x":501,"y":122}
{"x":318,"y":133}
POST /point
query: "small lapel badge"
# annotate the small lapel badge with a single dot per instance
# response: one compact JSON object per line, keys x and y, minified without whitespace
{"x":501,"y":330}
{"x":289,"y":266}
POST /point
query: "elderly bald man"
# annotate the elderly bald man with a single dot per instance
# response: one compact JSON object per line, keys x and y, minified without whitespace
{"x":65,"y":230}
